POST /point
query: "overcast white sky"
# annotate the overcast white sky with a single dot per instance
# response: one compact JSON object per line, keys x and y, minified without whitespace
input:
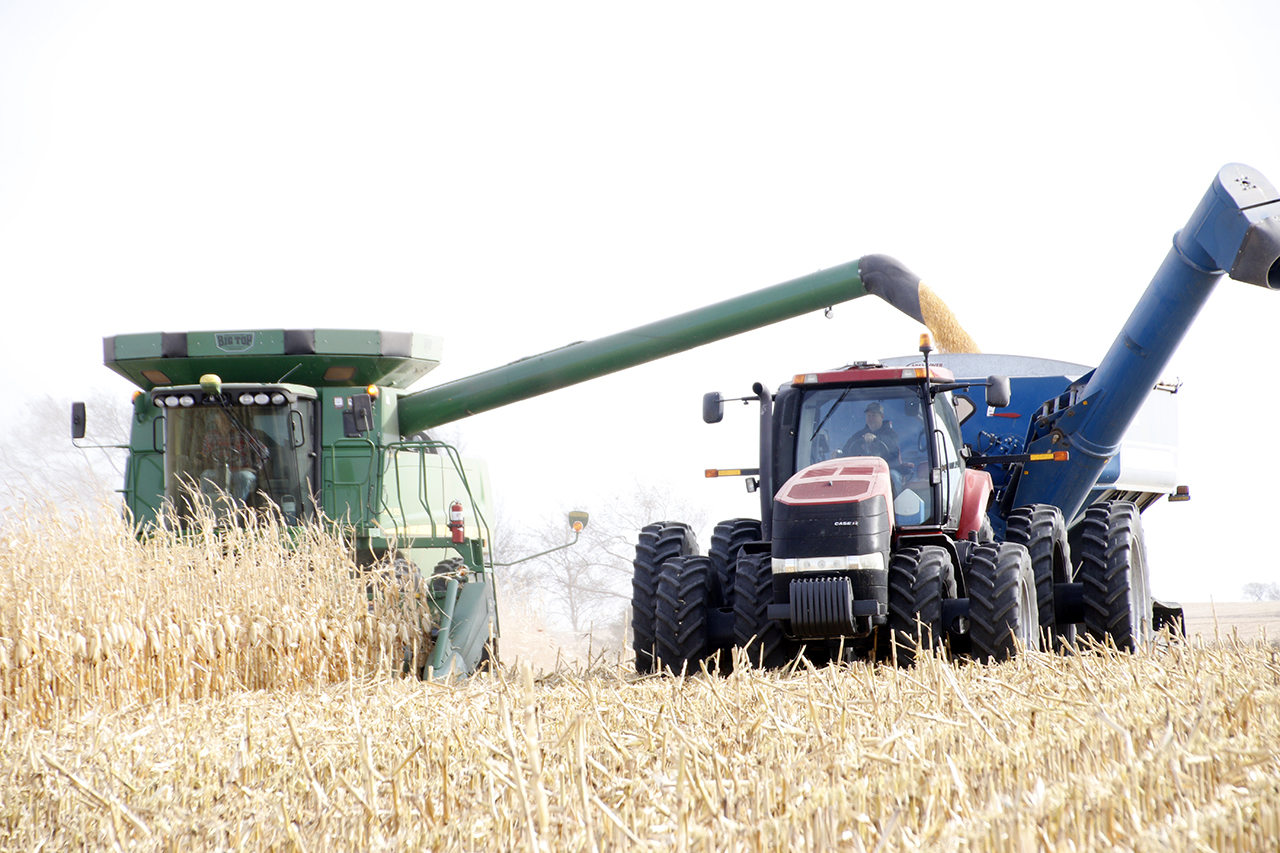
{"x":514,"y":177}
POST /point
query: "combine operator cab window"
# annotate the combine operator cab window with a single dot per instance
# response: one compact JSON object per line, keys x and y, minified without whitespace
{"x":884,"y":422}
{"x":240,"y":457}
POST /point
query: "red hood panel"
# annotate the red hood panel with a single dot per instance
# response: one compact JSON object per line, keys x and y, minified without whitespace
{"x":843,"y":480}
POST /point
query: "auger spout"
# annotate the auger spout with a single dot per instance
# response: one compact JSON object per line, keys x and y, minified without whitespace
{"x":579,"y":362}
{"x":1235,"y":228}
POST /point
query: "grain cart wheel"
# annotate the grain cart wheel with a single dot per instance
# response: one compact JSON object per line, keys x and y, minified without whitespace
{"x":764,"y":643}
{"x":658,"y":543}
{"x":682,"y":624}
{"x":1002,"y":601}
{"x":919,"y":580}
{"x":726,"y":541}
{"x":1041,"y":530}
{"x":1113,"y":572}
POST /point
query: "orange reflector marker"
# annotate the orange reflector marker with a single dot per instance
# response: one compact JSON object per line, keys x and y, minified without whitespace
{"x":1056,"y":456}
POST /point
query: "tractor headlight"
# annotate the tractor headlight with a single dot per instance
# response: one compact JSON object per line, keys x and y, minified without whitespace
{"x":854,"y":563}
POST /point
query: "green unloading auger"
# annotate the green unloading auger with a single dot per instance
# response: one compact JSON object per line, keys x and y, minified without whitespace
{"x":529,"y":377}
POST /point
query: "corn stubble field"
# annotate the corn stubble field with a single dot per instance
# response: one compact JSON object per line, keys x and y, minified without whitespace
{"x":191,"y":695}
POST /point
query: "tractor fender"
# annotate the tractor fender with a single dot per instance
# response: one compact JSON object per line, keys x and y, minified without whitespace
{"x":977,"y":496}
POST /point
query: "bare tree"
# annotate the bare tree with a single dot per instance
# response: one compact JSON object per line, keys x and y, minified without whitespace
{"x":1262,"y":591}
{"x":589,"y":584}
{"x":39,"y":461}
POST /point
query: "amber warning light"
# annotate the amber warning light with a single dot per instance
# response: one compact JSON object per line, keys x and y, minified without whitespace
{"x":732,"y":472}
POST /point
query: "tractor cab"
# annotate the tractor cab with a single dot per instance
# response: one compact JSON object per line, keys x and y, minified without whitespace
{"x":869,"y":411}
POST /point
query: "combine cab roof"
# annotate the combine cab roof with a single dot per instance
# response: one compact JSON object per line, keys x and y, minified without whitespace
{"x":302,"y":356}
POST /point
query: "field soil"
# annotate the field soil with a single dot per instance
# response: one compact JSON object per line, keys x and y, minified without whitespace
{"x":1247,"y":620}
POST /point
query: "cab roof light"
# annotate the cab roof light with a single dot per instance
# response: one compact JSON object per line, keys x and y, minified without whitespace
{"x":373,"y":391}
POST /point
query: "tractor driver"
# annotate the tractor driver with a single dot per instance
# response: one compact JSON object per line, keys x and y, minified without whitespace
{"x":876,"y":438}
{"x":233,"y":456}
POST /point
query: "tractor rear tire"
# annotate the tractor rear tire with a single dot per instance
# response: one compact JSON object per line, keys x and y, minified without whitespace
{"x":761,"y":639}
{"x":682,"y":624}
{"x":658,"y":543}
{"x":1113,"y":572}
{"x":1003,"y":616}
{"x":1041,"y":530}
{"x":726,"y":541}
{"x":919,"y":580}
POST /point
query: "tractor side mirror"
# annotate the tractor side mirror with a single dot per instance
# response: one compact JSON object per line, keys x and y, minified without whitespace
{"x":712,"y":407}
{"x":77,"y":420}
{"x":998,"y":391}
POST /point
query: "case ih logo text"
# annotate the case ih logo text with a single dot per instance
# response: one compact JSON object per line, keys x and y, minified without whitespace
{"x":233,"y":341}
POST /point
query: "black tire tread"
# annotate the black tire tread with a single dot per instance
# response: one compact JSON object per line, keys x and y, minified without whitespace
{"x":658,"y":542}
{"x":727,"y":540}
{"x":1112,"y":563}
{"x":999,"y":574}
{"x":681,"y":628}
{"x":919,"y":580}
{"x":763,"y":642}
{"x":1041,"y":529}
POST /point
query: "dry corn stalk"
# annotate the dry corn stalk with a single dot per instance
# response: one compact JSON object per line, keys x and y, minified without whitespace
{"x":91,"y":611}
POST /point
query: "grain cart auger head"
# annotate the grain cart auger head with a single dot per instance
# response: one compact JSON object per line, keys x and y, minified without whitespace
{"x":899,"y":512}
{"x":319,"y":423}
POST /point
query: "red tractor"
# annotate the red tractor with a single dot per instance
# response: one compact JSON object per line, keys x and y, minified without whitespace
{"x":876,"y":537}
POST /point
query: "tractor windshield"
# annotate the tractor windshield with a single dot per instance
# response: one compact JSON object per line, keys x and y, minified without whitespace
{"x":240,"y":456}
{"x":870,"y":421}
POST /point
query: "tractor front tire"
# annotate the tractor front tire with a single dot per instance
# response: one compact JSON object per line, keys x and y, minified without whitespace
{"x":1041,"y":530}
{"x":682,"y":624}
{"x":1113,"y":572}
{"x":726,"y":541}
{"x":1003,"y":616}
{"x":658,"y":543}
{"x":919,"y":580}
{"x":762,"y":641}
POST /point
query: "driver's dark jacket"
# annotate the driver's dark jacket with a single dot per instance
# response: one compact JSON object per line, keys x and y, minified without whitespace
{"x":854,"y":446}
